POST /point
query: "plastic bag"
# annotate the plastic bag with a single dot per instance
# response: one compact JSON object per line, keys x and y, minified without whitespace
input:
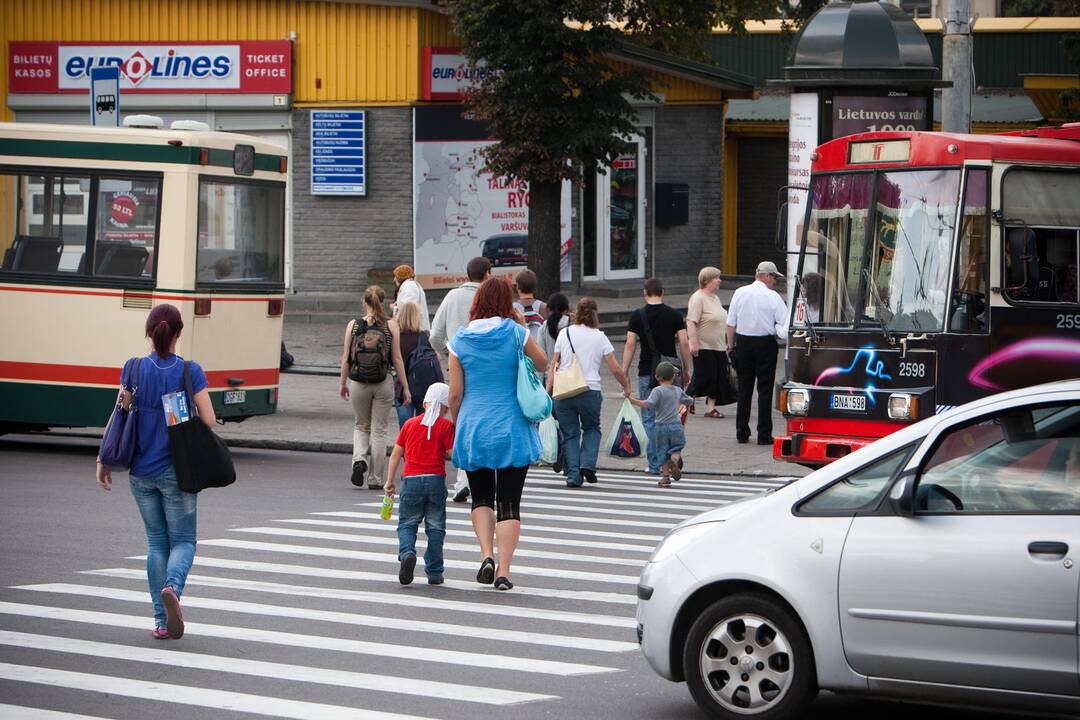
{"x":627,"y":435}
{"x":549,"y":440}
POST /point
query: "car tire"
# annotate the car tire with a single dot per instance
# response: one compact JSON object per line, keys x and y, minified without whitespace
{"x":775,"y":681}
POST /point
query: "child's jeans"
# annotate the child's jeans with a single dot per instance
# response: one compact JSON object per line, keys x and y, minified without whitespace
{"x":423,"y":497}
{"x":670,"y":438}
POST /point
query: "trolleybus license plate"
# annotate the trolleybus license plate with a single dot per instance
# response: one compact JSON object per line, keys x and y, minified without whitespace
{"x":235,"y":397}
{"x":847,"y":402}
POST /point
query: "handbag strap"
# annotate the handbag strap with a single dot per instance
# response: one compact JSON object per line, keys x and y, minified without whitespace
{"x":571,"y":341}
{"x":192,"y":409}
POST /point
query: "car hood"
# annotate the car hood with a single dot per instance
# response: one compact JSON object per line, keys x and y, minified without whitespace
{"x":730,"y":510}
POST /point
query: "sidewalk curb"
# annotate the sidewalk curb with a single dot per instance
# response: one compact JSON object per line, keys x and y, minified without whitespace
{"x":341,"y":448}
{"x":327,"y":370}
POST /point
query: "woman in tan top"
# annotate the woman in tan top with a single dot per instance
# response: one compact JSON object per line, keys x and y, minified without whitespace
{"x":706,"y":325}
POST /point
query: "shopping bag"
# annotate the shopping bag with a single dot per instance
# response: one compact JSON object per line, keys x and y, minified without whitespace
{"x":549,"y":440}
{"x":627,"y":435}
{"x":201,"y":458}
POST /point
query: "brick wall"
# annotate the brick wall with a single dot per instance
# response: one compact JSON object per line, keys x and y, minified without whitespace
{"x":688,"y":149}
{"x":337,"y":240}
{"x":762,"y":171}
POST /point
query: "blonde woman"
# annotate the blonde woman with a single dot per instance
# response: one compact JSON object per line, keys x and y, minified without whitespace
{"x":706,"y":328}
{"x":410,"y":335}
{"x":372,"y":345}
{"x":409,"y":290}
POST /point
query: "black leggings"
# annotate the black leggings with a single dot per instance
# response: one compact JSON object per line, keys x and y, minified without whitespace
{"x":499,"y":490}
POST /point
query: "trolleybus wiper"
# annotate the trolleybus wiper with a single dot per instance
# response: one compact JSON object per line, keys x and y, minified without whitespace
{"x":878,"y":303}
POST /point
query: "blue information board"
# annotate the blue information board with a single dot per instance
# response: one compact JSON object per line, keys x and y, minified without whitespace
{"x":338,"y":152}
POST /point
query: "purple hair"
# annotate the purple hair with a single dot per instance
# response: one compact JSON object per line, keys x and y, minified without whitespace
{"x":163,"y":324}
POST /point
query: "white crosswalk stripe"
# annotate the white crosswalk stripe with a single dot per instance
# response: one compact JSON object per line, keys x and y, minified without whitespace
{"x":279,"y":601}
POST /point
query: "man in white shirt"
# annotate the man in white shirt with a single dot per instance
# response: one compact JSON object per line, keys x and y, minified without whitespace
{"x":757,"y":322}
{"x":452,"y":315}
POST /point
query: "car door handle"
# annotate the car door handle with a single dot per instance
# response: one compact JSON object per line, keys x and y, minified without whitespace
{"x":1048,"y":548}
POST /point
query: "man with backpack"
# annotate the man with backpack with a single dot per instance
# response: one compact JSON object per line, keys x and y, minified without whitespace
{"x":661,"y":332}
{"x":532,"y":310}
{"x":452,"y":315}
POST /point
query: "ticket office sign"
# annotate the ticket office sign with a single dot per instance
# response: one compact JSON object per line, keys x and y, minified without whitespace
{"x":338,"y":153}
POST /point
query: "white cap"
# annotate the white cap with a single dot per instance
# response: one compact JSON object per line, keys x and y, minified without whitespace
{"x":767,"y":267}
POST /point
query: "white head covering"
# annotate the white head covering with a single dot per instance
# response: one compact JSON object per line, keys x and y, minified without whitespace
{"x":437,"y":396}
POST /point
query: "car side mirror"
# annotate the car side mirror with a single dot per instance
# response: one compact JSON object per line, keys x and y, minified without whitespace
{"x":902,"y":495}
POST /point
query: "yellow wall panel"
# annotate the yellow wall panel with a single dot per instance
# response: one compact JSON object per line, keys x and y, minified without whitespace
{"x":366,"y":54}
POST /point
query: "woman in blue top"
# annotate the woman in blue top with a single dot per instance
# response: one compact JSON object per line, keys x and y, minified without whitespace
{"x":494,"y":443}
{"x":167,"y":512}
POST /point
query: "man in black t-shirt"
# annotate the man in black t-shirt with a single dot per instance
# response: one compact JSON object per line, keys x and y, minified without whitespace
{"x":667,"y":337}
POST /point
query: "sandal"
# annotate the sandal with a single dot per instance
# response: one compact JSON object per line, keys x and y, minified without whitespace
{"x":664,"y":482}
{"x":486,"y":574}
{"x":503,"y":583}
{"x":714,"y":413}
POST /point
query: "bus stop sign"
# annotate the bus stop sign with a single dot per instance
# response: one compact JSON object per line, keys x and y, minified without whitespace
{"x":105,"y":96}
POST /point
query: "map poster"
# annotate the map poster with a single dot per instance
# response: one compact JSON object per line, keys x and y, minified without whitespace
{"x":461,"y":211}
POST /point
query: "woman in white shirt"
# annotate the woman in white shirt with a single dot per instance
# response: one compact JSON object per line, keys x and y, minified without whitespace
{"x":408,"y":290}
{"x":579,"y":416}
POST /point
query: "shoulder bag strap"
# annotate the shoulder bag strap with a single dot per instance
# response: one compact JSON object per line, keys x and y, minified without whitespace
{"x":571,"y":341}
{"x":192,"y":410}
{"x":648,"y":334}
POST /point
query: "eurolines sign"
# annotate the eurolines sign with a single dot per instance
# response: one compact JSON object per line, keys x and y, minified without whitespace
{"x":238,"y":67}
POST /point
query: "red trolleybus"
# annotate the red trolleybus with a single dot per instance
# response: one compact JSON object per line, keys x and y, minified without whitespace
{"x":934,"y":269}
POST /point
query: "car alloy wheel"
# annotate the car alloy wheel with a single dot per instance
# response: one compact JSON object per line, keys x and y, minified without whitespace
{"x":746,"y":656}
{"x":747,"y":663}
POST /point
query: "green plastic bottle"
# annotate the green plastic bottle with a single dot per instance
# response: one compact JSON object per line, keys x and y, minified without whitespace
{"x":387,"y":507}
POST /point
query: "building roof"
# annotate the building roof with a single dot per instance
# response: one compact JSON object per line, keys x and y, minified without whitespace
{"x":734,"y":84}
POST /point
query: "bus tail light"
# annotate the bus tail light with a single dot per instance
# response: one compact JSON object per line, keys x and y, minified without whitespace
{"x":795,"y":401}
{"x":903,"y":407}
{"x":202,"y":307}
{"x":204,"y":156}
{"x":284,"y":166}
{"x":275,"y":306}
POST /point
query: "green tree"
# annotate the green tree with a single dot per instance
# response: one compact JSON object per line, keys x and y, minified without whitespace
{"x":554,"y":97}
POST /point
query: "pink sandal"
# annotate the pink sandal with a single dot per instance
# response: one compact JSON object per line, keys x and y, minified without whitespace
{"x":161,"y":633}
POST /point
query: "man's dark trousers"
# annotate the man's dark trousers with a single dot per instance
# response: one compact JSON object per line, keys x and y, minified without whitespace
{"x":755,"y":359}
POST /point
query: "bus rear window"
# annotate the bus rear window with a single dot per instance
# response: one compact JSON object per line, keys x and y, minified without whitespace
{"x":241,"y":233}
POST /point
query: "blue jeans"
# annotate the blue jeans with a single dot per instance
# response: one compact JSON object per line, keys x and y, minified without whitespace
{"x":169,"y":515}
{"x":579,"y":420}
{"x":670,"y":439}
{"x":655,"y":461}
{"x":404,"y":412}
{"x":423,"y":497}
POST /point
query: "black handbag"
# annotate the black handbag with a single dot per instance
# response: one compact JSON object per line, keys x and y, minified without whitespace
{"x":200,"y":457}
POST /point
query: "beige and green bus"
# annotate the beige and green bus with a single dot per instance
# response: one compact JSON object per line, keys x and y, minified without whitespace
{"x":98,"y":225}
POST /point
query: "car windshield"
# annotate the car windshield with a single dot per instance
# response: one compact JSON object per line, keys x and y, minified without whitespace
{"x":900,"y":281}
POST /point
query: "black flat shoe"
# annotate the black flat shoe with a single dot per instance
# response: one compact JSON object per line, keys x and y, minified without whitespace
{"x":405,"y":573}
{"x":503,"y":583}
{"x":588,"y":475}
{"x":486,"y":574}
{"x":358,"y":469}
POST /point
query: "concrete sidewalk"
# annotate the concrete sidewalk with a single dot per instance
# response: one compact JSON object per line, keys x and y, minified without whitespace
{"x":311,"y":416}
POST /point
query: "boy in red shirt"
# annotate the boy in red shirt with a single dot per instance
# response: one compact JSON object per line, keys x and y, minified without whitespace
{"x":425,"y":441}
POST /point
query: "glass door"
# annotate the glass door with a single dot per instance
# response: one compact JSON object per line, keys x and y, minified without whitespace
{"x":619,"y":247}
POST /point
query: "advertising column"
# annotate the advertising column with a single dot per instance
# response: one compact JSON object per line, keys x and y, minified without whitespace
{"x":802,"y":139}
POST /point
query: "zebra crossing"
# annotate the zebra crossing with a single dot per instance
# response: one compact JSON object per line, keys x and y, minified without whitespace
{"x":302,"y":616}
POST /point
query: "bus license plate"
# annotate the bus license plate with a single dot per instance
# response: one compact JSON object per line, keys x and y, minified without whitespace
{"x":849,"y":402}
{"x":235,"y":397}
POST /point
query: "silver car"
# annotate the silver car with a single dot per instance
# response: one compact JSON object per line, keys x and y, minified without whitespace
{"x":935,"y":565}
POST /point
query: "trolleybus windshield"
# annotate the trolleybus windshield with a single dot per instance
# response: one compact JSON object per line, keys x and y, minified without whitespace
{"x":877,"y":249}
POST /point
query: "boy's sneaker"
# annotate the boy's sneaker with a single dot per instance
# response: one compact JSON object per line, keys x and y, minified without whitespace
{"x":408,"y":565}
{"x":675,"y":466}
{"x":435,"y":580}
{"x":174,"y":619}
{"x":358,"y":469}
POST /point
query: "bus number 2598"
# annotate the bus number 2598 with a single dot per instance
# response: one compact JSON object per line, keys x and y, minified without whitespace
{"x":913,"y":369}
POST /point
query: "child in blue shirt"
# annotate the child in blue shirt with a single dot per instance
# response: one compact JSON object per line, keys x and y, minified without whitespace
{"x":665,"y":401}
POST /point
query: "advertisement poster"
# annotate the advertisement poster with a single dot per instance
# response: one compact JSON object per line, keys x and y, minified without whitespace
{"x":463,"y":211}
{"x":878,"y":114}
{"x":802,"y":139}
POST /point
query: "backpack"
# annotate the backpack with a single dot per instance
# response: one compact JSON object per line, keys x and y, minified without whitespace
{"x":422,"y":369}
{"x":534,"y":321}
{"x":369,"y":352}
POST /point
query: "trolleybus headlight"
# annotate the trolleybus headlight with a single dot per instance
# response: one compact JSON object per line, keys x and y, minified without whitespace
{"x":903,"y":407}
{"x":798,"y":401}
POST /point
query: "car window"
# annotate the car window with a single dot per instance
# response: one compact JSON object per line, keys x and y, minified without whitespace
{"x":1017,"y":461}
{"x":860,"y":488}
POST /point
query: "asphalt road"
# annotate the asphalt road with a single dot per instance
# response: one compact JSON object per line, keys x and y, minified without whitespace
{"x":294,"y":609}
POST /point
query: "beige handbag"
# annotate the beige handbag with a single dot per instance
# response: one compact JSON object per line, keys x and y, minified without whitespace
{"x":569,"y":381}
